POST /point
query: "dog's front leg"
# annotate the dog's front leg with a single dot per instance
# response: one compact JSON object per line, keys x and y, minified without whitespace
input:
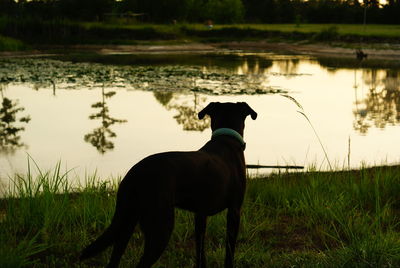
{"x":233,"y":221}
{"x":200,"y":230}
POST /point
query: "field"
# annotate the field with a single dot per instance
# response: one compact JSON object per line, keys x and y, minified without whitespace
{"x":310,"y":219}
{"x":36,"y":33}
{"x":342,"y":29}
{"x":388,"y":31}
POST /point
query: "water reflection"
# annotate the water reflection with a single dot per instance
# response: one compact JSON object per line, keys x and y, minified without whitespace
{"x":253,"y":66}
{"x":381,"y":105}
{"x":289,"y":66}
{"x":101,"y":137}
{"x":173,"y":78}
{"x":11,"y":123}
{"x":187,"y":107}
{"x":172,"y":93}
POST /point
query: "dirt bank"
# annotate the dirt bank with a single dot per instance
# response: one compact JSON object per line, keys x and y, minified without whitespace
{"x":384,"y":52}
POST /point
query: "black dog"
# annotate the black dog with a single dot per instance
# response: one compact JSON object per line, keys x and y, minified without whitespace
{"x":205,"y":182}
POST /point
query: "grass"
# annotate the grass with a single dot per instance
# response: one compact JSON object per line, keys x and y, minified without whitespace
{"x":343,"y":29}
{"x":310,"y":219}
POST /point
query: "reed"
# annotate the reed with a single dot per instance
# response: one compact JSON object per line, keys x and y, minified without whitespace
{"x":303,"y":113}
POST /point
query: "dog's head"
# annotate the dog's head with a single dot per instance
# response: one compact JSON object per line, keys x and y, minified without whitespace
{"x":228,"y":115}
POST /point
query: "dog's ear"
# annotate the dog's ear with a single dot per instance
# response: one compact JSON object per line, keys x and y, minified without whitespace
{"x":248,"y":111}
{"x":209,"y":109}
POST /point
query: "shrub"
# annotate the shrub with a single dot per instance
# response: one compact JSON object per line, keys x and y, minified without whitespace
{"x":10,"y":44}
{"x":327,"y":34}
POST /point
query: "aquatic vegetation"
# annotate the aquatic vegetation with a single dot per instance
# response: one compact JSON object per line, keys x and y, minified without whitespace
{"x":46,"y":73}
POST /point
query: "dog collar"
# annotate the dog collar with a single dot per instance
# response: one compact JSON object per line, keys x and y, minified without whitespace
{"x":229,"y":132}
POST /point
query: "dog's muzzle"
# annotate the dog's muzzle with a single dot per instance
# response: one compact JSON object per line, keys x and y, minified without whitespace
{"x":229,"y":132}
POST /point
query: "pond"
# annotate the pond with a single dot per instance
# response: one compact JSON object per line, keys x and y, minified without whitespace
{"x":102,"y":114}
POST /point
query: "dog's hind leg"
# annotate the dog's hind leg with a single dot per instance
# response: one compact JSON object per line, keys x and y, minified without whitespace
{"x":157,"y":227}
{"x":200,"y":230}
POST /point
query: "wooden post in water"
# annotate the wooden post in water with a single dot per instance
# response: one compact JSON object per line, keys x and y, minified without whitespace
{"x":277,"y":167}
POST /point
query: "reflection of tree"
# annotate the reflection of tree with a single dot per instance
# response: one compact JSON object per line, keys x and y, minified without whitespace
{"x":187,"y":115}
{"x":253,"y":66}
{"x":289,"y":66}
{"x":9,"y":127}
{"x":99,"y":136}
{"x":187,"y":106}
{"x":163,"y":97}
{"x":381,"y":106}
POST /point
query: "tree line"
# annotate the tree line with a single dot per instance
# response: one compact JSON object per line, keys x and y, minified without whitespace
{"x":219,"y":11}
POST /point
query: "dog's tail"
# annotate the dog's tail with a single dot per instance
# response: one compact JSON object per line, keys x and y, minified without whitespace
{"x":119,"y":221}
{"x":101,"y":243}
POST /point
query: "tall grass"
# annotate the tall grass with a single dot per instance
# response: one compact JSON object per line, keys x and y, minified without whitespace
{"x":43,"y":213}
{"x":311,"y":219}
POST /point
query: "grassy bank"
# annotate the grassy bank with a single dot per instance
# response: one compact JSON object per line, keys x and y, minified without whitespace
{"x":314,"y":219}
{"x":63,"y":32}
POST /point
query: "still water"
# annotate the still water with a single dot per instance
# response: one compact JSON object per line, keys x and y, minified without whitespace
{"x":104,"y":117}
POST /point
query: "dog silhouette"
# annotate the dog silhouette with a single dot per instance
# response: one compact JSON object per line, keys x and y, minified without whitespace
{"x":205,"y":182}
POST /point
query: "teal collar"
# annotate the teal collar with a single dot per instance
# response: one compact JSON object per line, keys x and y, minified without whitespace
{"x":229,"y":132}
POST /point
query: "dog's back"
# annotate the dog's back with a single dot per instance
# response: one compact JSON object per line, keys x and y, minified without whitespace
{"x":198,"y":181}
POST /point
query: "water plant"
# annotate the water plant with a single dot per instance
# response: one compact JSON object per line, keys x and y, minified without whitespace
{"x":49,"y":73}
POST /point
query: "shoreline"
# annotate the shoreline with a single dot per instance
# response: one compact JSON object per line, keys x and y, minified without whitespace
{"x":388,"y":52}
{"x":376,"y":169}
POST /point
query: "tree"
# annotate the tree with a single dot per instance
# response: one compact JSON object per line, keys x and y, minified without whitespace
{"x":260,"y":10}
{"x":225,"y":11}
{"x":391,"y":12}
{"x":7,"y":6}
{"x":85,"y":9}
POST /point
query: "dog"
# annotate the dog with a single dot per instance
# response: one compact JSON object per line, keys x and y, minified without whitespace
{"x":205,"y":182}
